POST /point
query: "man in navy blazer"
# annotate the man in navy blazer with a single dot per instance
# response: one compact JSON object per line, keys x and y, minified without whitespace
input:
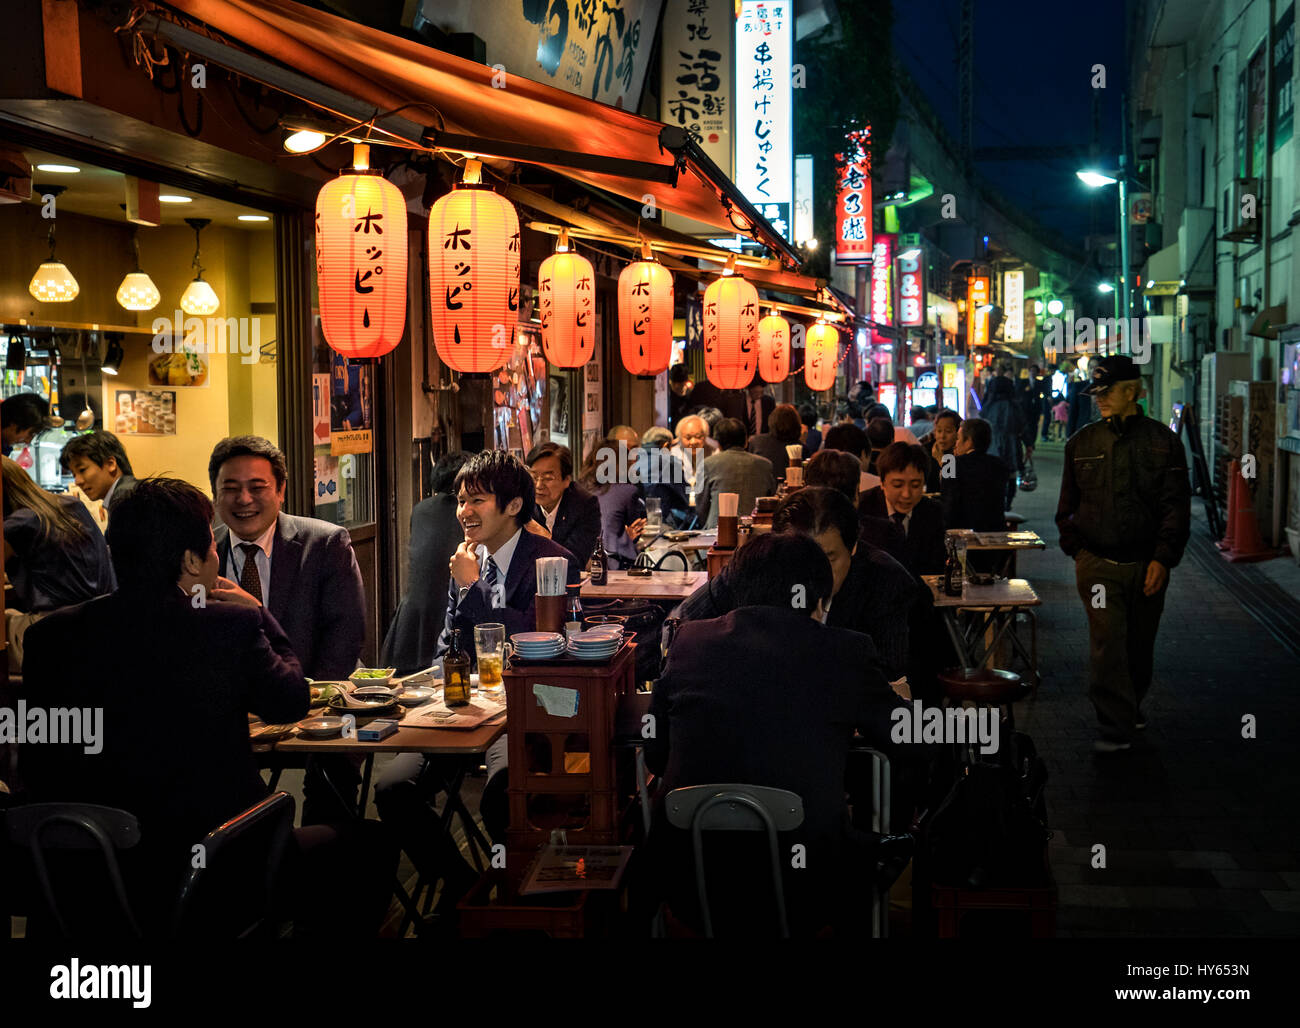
{"x":303,"y":569}
{"x":569,"y":512}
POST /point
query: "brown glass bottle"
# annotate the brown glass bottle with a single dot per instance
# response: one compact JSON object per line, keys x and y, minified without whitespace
{"x":455,"y":669}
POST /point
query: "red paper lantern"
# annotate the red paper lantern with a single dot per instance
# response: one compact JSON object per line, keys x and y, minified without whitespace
{"x":566,"y":304}
{"x":730,"y":331}
{"x":774,"y":348}
{"x":821,"y":353}
{"x":645,"y":316}
{"x":473,"y":276}
{"x":361,"y":261}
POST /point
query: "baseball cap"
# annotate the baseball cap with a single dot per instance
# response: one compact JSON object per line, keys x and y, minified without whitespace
{"x":1106,"y":371}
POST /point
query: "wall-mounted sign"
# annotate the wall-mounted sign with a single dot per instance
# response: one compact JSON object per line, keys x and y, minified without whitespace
{"x":911,"y":290}
{"x":1013,"y":302}
{"x":764,"y":124}
{"x":803,"y":198}
{"x":882,"y":283}
{"x":853,"y":204}
{"x":695,"y":68}
{"x":977,"y":321}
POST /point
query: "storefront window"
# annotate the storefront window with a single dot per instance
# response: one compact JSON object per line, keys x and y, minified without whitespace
{"x":343,"y":436}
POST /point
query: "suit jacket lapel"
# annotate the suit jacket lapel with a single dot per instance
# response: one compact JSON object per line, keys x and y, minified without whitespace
{"x":286,"y":556}
{"x":522,"y":562}
{"x":223,"y":551}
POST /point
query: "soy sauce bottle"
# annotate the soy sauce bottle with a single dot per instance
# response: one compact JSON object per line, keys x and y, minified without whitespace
{"x":455,"y":668}
{"x":599,"y":564}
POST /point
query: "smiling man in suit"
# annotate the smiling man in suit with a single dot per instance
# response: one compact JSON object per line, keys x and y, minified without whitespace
{"x":569,"y":512}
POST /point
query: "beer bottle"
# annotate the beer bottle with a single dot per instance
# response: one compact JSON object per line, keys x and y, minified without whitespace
{"x":455,"y":666}
{"x":952,"y":570}
{"x":599,"y":564}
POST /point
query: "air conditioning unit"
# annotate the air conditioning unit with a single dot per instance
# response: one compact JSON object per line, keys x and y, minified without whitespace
{"x":1242,"y":197}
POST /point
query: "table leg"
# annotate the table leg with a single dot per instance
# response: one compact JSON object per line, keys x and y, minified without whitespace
{"x":958,"y":637}
{"x":366,"y":769}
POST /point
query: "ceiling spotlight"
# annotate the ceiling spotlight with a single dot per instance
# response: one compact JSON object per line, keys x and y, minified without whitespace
{"x":303,"y":140}
{"x":16,"y":355}
{"x":113,"y":355}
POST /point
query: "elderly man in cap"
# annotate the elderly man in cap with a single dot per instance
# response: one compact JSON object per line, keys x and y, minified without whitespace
{"x":1124,"y":516}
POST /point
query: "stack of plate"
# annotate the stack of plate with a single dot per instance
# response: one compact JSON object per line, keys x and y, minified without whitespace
{"x":538,"y":645}
{"x":596,"y":643}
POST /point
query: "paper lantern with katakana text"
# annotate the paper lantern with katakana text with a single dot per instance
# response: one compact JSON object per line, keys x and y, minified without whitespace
{"x":774,"y":348}
{"x":821,"y":356}
{"x":730,"y":332}
{"x":361,"y":261}
{"x":566,"y":305}
{"x":645,"y":317}
{"x":473,"y":275}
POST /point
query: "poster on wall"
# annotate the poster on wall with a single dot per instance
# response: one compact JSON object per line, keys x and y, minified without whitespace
{"x":186,"y":367}
{"x":145,"y":412}
{"x":327,"y":481}
{"x":320,"y":410}
{"x":350,"y":406}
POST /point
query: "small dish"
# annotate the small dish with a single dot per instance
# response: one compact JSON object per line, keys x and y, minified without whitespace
{"x":320,"y":727}
{"x":414,"y":696}
{"x":372,"y":675}
{"x":373,"y":694}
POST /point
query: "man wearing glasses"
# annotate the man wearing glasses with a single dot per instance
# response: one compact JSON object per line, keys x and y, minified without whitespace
{"x":569,"y":512}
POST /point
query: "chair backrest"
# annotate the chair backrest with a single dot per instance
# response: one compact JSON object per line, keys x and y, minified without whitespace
{"x":736,"y":808}
{"x":672,"y":553}
{"x":42,"y":828}
{"x":219,"y":895}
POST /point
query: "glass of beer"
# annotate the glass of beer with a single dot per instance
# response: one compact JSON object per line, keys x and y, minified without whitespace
{"x":490,"y":647}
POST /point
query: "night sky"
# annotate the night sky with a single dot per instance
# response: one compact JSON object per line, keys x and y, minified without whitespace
{"x":1032,"y":88}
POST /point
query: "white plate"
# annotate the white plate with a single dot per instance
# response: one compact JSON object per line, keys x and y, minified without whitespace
{"x":413,"y":697}
{"x":536,"y":638}
{"x":320,"y":727}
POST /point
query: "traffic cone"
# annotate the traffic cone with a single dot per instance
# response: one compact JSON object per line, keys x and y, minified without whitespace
{"x":1247,"y":544}
{"x":1230,"y":532}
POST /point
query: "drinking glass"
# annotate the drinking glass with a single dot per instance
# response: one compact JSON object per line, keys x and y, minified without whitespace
{"x":653,"y":514}
{"x":490,"y":646}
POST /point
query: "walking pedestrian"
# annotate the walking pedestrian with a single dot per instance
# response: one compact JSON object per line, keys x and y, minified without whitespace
{"x":1124,"y":516}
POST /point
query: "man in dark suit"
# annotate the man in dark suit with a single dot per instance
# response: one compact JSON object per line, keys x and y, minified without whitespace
{"x":758,"y":408}
{"x":303,"y":569}
{"x":412,"y":639}
{"x":842,"y":472}
{"x":767,"y":695}
{"x":972,"y":495}
{"x":99,"y":466}
{"x":731,"y":470}
{"x":569,"y":512}
{"x":902,"y":486}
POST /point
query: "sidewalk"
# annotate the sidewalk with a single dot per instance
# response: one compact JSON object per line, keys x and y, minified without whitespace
{"x":1198,"y":824}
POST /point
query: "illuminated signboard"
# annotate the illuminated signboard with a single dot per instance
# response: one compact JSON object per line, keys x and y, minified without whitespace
{"x":977,"y":321}
{"x":764,"y":126}
{"x":853,"y":204}
{"x":695,"y":68}
{"x":1013,"y":299}
{"x":911,"y":290}
{"x":882,"y":285}
{"x":803,"y":198}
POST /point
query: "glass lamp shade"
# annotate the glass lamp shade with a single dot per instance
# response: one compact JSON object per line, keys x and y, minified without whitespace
{"x":199,"y":298}
{"x":53,"y":283}
{"x":138,"y":293}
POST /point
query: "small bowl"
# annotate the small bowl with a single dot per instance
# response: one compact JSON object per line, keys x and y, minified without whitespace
{"x":372,"y":675}
{"x":373,"y":694}
{"x":320,"y":727}
{"x":414,"y":696}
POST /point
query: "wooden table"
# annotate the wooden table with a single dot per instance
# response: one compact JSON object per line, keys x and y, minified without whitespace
{"x":693,"y":547}
{"x":660,"y":585}
{"x":990,"y":606}
{"x":1006,"y":543}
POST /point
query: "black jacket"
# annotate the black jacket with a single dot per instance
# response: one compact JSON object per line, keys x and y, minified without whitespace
{"x":577,"y":525}
{"x":924,"y":548}
{"x":973,"y":497}
{"x":1125,"y":494}
{"x":412,"y":638}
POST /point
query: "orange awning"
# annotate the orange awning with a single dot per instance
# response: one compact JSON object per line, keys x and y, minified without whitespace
{"x":449,"y":94}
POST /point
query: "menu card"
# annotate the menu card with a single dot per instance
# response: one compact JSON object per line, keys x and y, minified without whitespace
{"x":436,"y":714}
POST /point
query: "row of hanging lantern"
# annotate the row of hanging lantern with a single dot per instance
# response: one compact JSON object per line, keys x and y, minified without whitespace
{"x":474,"y":265}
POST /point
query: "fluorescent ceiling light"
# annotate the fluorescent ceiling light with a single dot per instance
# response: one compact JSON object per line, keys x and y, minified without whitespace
{"x":59,"y":169}
{"x":254,"y":217}
{"x":175,"y":198}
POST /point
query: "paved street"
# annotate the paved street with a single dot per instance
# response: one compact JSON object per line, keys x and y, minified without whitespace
{"x":1198,"y":824}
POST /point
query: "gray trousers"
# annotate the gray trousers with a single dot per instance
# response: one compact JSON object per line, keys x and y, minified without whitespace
{"x":1122,"y":624}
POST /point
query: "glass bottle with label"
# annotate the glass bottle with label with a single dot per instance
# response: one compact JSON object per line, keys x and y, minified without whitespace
{"x":599,"y":564}
{"x":455,"y":667}
{"x":573,"y":619}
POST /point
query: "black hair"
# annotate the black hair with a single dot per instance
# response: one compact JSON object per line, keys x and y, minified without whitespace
{"x":504,"y":476}
{"x":97,"y":447}
{"x":947,"y":413}
{"x":445,"y":471}
{"x":1001,"y":388}
{"x":784,"y":423}
{"x":815,"y":511}
{"x":151,"y":530}
{"x":834,"y":469}
{"x":919,"y":414}
{"x":878,"y":410}
{"x":979,"y":432}
{"x":729,"y":432}
{"x":807,"y":416}
{"x":880,"y":433}
{"x":678,"y":373}
{"x":897,"y":456}
{"x":848,"y":438}
{"x":788,"y":571}
{"x":247,"y":446}
{"x":24,"y":411}
{"x":561,"y":453}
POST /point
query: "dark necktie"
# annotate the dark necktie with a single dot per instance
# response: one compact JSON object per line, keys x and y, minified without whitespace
{"x":491,"y":574}
{"x":753,"y":416}
{"x":898,"y":520}
{"x":249,"y":579}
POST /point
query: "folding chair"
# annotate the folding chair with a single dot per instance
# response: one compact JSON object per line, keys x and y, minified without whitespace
{"x":71,"y":828}
{"x":881,"y":784}
{"x":736,"y":808}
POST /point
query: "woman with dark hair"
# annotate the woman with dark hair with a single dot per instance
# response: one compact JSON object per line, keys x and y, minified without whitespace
{"x":622,"y":510}
{"x":783,"y":429}
{"x":55,"y":554}
{"x":435,"y":534}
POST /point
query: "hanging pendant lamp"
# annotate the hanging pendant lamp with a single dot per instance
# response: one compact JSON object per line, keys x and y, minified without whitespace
{"x":774,"y":348}
{"x":645,"y":315}
{"x":199,"y":297}
{"x":566,"y":304}
{"x":53,"y":282}
{"x":730,"y":330}
{"x":137,"y":291}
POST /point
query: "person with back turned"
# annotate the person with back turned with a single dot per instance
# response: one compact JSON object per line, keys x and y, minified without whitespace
{"x":1124,"y":516}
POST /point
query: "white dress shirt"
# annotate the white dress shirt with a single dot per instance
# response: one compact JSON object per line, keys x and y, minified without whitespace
{"x":235,"y":564}
{"x":502,"y":558}
{"x":907,"y":518}
{"x":550,"y":516}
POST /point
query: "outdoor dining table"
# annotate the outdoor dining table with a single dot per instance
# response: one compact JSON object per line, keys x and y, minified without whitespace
{"x":1006,"y":543}
{"x":993,"y":606}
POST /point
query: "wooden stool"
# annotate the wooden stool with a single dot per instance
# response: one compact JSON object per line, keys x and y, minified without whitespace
{"x":985,"y":687}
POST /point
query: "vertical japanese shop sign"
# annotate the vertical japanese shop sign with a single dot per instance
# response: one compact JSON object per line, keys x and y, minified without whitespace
{"x":1256,"y":102}
{"x":803,"y":198}
{"x":853,"y":202}
{"x":764,"y":125}
{"x":977,"y":321}
{"x":1282,"y":105}
{"x":911,"y":290}
{"x":695,"y":69}
{"x":1013,"y":299}
{"x":882,"y":284}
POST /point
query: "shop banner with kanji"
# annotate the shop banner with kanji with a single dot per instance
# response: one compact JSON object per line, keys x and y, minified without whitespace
{"x":764,"y":122}
{"x":695,"y":69}
{"x":853,"y":242}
